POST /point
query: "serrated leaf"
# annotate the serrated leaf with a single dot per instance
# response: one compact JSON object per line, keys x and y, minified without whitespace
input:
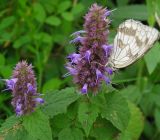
{"x":132,"y":11}
{"x":58,"y":101}
{"x":116,"y":110}
{"x":132,"y":93}
{"x":8,"y":125}
{"x":53,"y":20}
{"x":135,"y":125}
{"x":51,"y":85}
{"x":20,"y":134}
{"x":152,"y":58}
{"x":103,"y":130}
{"x":87,"y":114}
{"x":37,"y":126}
{"x":70,"y":134}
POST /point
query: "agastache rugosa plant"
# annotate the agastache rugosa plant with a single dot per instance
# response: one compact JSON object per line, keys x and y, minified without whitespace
{"x":88,"y":66}
{"x":24,"y":89}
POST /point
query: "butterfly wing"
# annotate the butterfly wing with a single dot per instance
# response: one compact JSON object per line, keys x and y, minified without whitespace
{"x":131,"y":42}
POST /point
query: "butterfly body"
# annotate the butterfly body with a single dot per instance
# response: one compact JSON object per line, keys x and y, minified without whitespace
{"x":132,"y":41}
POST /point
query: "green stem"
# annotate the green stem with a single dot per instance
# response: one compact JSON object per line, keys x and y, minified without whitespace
{"x":139,"y":75}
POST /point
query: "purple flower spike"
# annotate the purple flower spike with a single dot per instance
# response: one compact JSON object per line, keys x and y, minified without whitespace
{"x":84,"y":89}
{"x":11,"y":83}
{"x":39,"y":100}
{"x":78,"y":39}
{"x":89,"y":69}
{"x":109,"y":71}
{"x":24,"y":89}
{"x":87,"y":55}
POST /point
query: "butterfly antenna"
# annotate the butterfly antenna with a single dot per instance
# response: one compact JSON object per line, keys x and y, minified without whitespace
{"x":114,"y":10}
{"x":65,"y":75}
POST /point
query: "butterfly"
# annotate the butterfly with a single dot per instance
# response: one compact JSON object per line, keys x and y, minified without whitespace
{"x":132,"y":41}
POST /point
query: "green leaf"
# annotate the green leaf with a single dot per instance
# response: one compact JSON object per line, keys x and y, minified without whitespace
{"x":132,"y":93}
{"x":12,"y":128}
{"x":6,"y":71}
{"x":63,"y":6}
{"x":157,"y":118}
{"x":6,"y":22}
{"x":70,"y":134}
{"x":61,"y":121}
{"x":58,"y":101}
{"x":122,"y":2}
{"x":116,"y":110}
{"x":67,"y":16}
{"x":51,"y":85}
{"x":132,"y":11}
{"x":87,"y":114}
{"x":39,"y":12}
{"x":78,"y":8}
{"x":20,"y":134}
{"x":8,"y":125}
{"x":43,"y":37}
{"x":152,"y":58}
{"x":135,"y":125}
{"x":21,"y":41}
{"x":103,"y":130}
{"x":53,"y":20}
{"x":2,"y":59}
{"x":37,"y":126}
{"x":151,"y":11}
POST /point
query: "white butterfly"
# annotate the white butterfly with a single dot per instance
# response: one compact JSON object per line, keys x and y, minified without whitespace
{"x":131,"y":42}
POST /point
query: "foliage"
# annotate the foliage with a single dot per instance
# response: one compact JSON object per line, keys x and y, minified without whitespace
{"x":39,"y":31}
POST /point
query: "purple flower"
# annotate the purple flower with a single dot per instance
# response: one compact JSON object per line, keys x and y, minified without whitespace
{"x":74,"y":58}
{"x":89,"y":67}
{"x":98,"y":74}
{"x":11,"y":83}
{"x":24,"y":89}
{"x":107,"y":13}
{"x":78,"y":39}
{"x":31,"y":88}
{"x":71,"y":70}
{"x":87,"y":55}
{"x":109,"y":70}
{"x":108,"y":81}
{"x":39,"y":100}
{"x":107,"y":49}
{"x":84,"y":89}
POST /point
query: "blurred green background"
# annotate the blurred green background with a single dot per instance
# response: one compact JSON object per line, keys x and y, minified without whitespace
{"x":39,"y":31}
